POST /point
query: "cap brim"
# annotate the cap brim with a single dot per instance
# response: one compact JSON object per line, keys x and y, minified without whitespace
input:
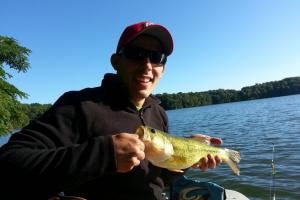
{"x":162,"y":34}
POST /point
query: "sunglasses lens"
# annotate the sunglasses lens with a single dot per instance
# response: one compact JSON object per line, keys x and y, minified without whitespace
{"x":158,"y":58}
{"x":140,"y":54}
{"x":132,"y":53}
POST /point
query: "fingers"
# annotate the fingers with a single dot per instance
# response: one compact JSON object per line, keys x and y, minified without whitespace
{"x":208,"y":162}
{"x":132,"y":162}
{"x":137,"y":152}
{"x":218,"y":161}
{"x":129,"y":151}
{"x":203,"y":164}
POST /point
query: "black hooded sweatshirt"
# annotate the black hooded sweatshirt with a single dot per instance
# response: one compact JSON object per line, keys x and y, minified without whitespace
{"x":69,"y":149}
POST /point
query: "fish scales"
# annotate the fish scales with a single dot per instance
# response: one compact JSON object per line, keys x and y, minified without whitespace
{"x":177,"y":153}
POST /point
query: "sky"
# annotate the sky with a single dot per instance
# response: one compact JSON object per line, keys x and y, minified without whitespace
{"x":218,"y":44}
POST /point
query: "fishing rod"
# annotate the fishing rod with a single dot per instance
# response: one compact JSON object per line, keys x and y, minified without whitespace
{"x":272,"y":186}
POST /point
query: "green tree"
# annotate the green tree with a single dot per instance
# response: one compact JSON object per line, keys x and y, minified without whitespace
{"x":35,"y":110}
{"x":12,"y":112}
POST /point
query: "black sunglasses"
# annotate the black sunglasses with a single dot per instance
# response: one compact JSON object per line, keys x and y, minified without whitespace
{"x":136,"y":53}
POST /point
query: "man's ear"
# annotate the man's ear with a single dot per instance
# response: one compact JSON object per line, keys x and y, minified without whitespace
{"x":114,"y":60}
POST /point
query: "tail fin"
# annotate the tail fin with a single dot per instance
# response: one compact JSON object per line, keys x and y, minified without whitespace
{"x":233,"y":160}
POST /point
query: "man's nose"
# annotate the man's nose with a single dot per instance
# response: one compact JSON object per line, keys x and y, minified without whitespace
{"x":147,"y":63}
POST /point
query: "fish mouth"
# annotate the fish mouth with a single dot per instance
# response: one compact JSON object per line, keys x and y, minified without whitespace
{"x":140,"y":132}
{"x":143,"y":135}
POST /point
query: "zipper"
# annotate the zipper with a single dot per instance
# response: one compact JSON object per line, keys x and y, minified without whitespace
{"x":141,"y":112}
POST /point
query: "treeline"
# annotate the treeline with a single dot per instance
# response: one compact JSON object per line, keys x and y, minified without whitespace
{"x":35,"y":110}
{"x":26,"y":113}
{"x":287,"y":86}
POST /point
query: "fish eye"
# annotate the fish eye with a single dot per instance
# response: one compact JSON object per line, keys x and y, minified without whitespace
{"x":152,"y":130}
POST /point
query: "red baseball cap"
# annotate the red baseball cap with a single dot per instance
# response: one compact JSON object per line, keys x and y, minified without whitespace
{"x":158,"y":31}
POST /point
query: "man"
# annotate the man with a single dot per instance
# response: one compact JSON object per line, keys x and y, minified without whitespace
{"x":84,"y":146}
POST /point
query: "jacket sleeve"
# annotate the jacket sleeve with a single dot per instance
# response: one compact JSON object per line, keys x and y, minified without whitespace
{"x":54,"y":153}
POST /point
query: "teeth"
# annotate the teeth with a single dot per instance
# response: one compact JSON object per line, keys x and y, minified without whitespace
{"x":144,"y":80}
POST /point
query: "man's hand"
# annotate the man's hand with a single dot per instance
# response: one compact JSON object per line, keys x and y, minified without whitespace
{"x":209,"y":161}
{"x":129,"y":151}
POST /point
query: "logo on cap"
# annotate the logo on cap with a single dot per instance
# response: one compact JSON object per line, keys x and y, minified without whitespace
{"x":146,"y":24}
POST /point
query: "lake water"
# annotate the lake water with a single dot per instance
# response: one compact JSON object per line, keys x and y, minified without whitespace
{"x":251,"y":127}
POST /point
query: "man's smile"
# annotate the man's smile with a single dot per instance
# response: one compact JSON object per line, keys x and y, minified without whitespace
{"x":144,"y":79}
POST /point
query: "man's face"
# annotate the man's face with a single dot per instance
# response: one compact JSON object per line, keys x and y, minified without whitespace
{"x":140,"y":76}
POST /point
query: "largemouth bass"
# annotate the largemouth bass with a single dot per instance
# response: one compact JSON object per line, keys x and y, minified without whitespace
{"x":177,"y":153}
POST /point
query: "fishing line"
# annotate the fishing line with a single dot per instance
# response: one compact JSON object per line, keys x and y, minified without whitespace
{"x":272,"y":185}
